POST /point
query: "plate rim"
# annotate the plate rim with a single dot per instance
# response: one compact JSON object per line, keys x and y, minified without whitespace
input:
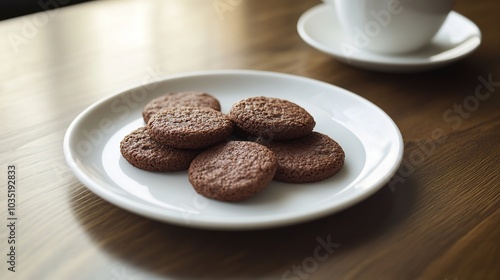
{"x":140,"y":208}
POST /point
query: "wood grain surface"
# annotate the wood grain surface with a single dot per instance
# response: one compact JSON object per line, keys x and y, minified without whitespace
{"x":437,"y":219}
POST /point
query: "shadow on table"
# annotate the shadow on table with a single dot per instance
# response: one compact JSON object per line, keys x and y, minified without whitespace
{"x":183,"y":253}
{"x":459,"y":77}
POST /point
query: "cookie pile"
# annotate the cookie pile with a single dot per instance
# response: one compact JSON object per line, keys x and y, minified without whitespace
{"x":286,"y":129}
{"x":161,"y":145}
{"x":235,"y":156}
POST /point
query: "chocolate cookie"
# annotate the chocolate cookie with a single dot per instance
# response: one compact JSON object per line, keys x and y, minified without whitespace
{"x":180,"y":99}
{"x":232,"y":171}
{"x":143,"y":152}
{"x":309,"y":159}
{"x":271,"y":118}
{"x":189,"y":127}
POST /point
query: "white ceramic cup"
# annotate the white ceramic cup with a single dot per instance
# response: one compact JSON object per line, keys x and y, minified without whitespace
{"x":391,"y":26}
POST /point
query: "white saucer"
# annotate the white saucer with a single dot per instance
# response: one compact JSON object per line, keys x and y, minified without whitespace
{"x":372,"y":143}
{"x":457,"y":38}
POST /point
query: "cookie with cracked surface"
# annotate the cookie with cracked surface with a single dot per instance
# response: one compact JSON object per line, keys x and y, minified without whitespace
{"x":232,"y":171}
{"x":180,"y":99}
{"x":271,"y":118}
{"x":189,"y":127}
{"x":312,"y":158}
{"x":144,"y":153}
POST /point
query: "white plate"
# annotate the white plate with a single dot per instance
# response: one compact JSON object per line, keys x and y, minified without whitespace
{"x":373,"y":146}
{"x":457,"y":38}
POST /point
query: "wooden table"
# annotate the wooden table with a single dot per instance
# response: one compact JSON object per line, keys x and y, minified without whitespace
{"x":439,"y":220}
